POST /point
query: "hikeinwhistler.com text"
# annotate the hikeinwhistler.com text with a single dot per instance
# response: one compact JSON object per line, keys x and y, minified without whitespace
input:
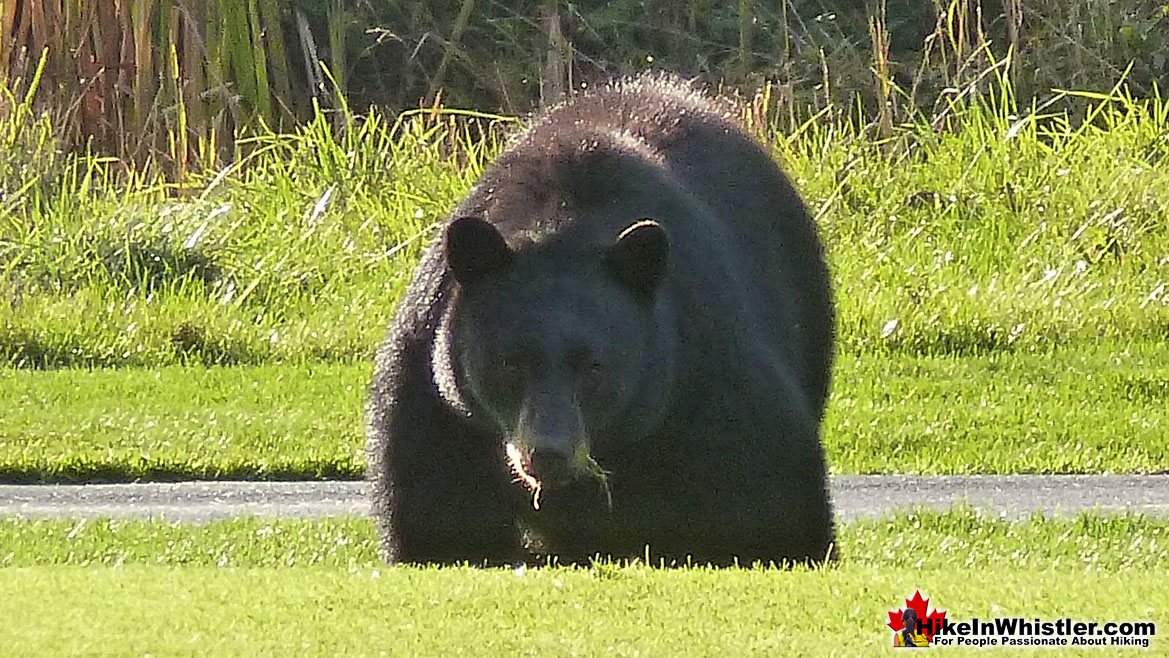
{"x":1020,"y":632}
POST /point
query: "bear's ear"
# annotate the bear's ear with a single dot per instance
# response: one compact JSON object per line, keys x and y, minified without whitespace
{"x":638,"y":258}
{"x":475,"y":250}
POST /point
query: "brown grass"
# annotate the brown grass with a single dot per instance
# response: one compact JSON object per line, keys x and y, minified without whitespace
{"x":169,"y":82}
{"x":174,"y":82}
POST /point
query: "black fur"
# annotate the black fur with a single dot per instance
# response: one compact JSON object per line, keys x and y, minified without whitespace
{"x":693,"y":359}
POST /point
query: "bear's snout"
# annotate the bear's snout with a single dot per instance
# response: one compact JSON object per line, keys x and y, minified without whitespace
{"x":551,"y":466}
{"x":543,"y":465}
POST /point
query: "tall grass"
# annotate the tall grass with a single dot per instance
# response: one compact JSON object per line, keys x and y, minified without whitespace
{"x":101,"y":263}
{"x":996,"y":228}
{"x":999,"y":228}
{"x":166,"y":82}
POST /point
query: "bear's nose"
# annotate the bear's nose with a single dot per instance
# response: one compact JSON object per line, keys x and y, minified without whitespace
{"x":550,"y":466}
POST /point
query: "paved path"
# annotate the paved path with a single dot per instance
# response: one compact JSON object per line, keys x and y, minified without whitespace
{"x":854,"y":495}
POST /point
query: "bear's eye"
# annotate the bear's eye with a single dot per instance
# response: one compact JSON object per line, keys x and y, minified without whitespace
{"x":509,"y":365}
{"x":516,"y":360}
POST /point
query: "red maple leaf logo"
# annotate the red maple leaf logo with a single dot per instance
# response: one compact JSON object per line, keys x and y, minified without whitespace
{"x":919,"y":606}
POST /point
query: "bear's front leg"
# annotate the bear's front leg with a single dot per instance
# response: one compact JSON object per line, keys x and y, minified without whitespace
{"x":768,"y":491}
{"x":442,"y":490}
{"x":747,"y":481}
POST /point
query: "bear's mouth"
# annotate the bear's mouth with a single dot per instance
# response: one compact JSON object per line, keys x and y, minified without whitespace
{"x":586,"y":468}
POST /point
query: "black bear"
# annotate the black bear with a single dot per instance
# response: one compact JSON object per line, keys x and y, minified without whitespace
{"x":620,"y":345}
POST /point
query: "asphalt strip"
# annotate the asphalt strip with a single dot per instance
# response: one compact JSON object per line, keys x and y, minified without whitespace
{"x":854,"y":496}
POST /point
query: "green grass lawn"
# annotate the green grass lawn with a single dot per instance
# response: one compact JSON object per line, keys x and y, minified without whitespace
{"x":250,"y":587}
{"x":260,"y":421}
{"x":918,"y":539}
{"x":1086,"y":410}
{"x":1002,"y":291}
{"x":206,"y":611}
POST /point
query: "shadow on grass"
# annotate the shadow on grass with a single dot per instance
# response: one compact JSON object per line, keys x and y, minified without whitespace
{"x":83,"y":473}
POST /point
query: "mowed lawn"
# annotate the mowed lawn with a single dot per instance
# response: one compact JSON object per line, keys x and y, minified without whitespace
{"x":1085,"y":410}
{"x":143,"y":610}
{"x":255,"y":587}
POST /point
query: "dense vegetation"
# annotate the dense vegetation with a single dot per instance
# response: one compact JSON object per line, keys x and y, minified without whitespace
{"x":173,"y":82}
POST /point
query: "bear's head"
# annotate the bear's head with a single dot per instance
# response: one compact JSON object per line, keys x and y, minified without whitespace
{"x":556,"y":344}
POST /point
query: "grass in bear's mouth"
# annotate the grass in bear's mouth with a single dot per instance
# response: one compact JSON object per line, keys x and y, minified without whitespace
{"x":593,"y":470}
